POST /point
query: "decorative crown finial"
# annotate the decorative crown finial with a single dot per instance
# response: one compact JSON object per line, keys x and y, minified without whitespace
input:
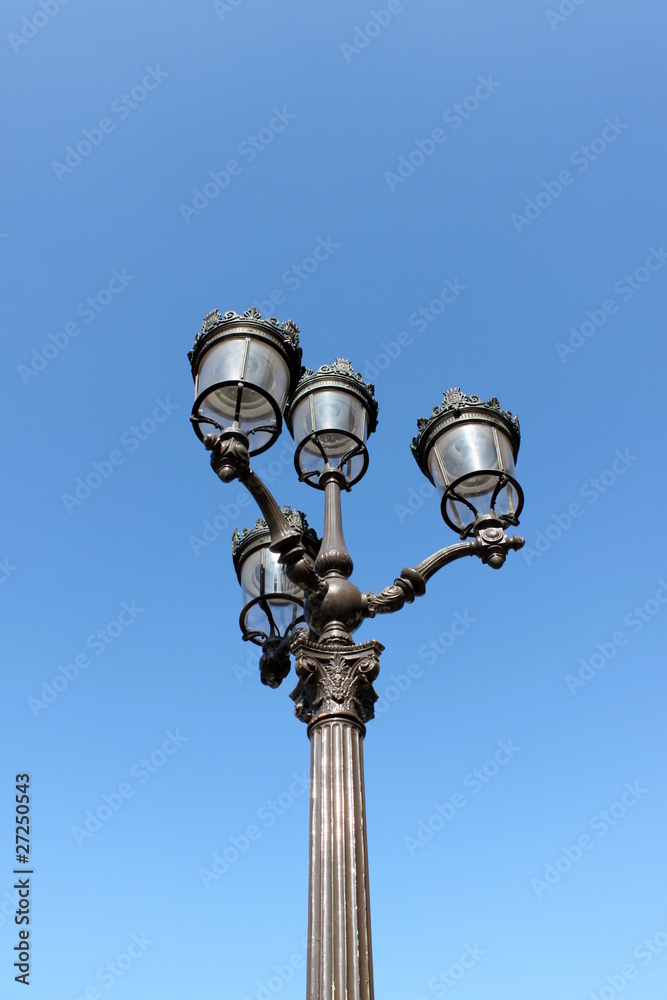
{"x":454,"y":401}
{"x":215,"y":318}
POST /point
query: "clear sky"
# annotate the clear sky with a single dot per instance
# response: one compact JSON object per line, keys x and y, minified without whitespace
{"x":484,"y":185}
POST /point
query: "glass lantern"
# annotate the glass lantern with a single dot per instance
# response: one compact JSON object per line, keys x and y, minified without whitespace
{"x":244,"y":368}
{"x":331,"y":415}
{"x":468,"y":450}
{"x":272,"y":604}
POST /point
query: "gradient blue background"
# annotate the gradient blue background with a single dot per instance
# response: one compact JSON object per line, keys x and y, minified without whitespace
{"x":182,"y":664}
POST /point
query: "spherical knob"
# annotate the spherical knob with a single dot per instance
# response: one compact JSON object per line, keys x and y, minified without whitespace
{"x":342,"y":603}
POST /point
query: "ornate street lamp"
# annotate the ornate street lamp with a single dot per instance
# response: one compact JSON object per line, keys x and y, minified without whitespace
{"x":330,"y":416}
{"x":244,"y":369}
{"x":298,"y":598}
{"x":273,"y":606}
{"x":468,"y":450}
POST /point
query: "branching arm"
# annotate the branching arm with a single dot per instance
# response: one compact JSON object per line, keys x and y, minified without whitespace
{"x":491,"y":545}
{"x":229,"y":460}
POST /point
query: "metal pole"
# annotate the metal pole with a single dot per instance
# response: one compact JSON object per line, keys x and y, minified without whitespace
{"x":340,"y":961}
{"x":335,"y":697}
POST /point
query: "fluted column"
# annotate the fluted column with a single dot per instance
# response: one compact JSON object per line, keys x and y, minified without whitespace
{"x":340,"y":961}
{"x":335,"y":697}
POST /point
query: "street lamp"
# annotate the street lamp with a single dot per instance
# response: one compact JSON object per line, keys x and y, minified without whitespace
{"x":273,"y":606}
{"x":298,"y":598}
{"x":244,"y":369}
{"x":330,"y":416}
{"x":468,"y":450}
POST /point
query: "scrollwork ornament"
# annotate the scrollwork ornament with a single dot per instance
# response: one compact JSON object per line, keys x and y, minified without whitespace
{"x":229,"y":456}
{"x":406,"y":587}
{"x":289,"y":330}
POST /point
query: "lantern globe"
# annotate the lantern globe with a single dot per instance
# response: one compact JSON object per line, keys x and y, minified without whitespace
{"x":330,"y":416}
{"x":244,"y":369}
{"x":272,"y":604}
{"x":468,"y":449}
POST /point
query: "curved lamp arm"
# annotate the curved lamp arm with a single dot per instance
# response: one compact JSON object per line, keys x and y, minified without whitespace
{"x":490,"y":544}
{"x":229,"y":461}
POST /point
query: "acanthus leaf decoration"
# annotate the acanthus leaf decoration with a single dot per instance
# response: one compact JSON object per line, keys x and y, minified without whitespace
{"x":335,"y":680}
{"x":291,"y":331}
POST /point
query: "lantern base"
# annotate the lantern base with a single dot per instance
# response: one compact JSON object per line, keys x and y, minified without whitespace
{"x":504,"y":520}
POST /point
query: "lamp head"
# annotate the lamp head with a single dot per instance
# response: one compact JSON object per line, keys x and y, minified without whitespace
{"x":330,"y":416}
{"x":468,"y":449}
{"x":273,"y":605}
{"x":245,"y":369}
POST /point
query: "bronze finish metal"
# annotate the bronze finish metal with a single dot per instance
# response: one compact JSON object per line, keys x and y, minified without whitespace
{"x":334,"y":694}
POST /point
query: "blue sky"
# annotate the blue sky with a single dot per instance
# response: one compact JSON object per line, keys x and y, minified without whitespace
{"x":485,"y":183}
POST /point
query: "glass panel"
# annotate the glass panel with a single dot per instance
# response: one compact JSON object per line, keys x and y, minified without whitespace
{"x":328,"y":411}
{"x":222,"y":363}
{"x":261,"y":573}
{"x":283,"y":612}
{"x":301,"y":420}
{"x":339,"y":410}
{"x":267,"y":369}
{"x":507,"y":500}
{"x":462,"y":516}
{"x":462,"y":449}
{"x":353,"y":467}
{"x":311,"y":461}
{"x":506,"y":503}
{"x":506,"y":452}
{"x":436,"y":471}
{"x":255,"y":362}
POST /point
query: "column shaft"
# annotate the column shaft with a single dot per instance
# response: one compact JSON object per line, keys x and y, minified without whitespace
{"x":340,"y":964}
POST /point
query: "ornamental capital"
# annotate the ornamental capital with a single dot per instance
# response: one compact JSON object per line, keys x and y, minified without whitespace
{"x":335,"y":680}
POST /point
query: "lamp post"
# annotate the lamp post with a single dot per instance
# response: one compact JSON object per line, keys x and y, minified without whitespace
{"x":298,"y":596}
